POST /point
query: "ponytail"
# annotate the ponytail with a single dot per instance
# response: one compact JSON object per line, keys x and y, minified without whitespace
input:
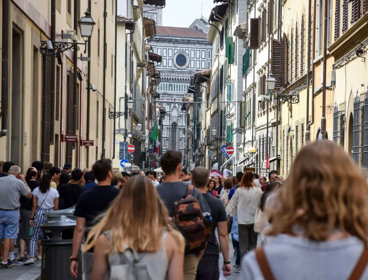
{"x":45,"y":182}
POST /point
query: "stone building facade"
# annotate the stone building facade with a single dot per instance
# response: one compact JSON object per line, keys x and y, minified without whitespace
{"x":184,"y":51}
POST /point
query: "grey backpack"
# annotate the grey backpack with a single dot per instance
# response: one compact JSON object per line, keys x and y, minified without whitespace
{"x":127,"y":265}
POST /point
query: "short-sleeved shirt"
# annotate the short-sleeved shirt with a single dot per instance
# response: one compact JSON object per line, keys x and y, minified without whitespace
{"x":171,"y":192}
{"x":218,"y":214}
{"x":11,"y":189}
{"x":45,"y":200}
{"x":69,"y":194}
{"x":292,"y":258}
{"x":93,"y":202}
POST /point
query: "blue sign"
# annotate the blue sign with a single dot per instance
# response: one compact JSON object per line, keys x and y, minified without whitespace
{"x":223,"y":149}
{"x":123,"y":161}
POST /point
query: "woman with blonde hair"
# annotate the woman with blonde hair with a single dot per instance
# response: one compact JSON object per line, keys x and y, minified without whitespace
{"x":319,"y":223}
{"x":244,"y":203}
{"x":136,"y":225}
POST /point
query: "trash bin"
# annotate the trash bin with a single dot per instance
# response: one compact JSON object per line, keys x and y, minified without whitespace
{"x":57,"y":245}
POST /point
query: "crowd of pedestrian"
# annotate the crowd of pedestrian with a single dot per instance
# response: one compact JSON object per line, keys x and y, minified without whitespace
{"x":175,"y":225}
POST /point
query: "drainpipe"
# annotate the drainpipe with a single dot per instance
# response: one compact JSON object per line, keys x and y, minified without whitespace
{"x":307,"y":132}
{"x":307,"y":136}
{"x":5,"y":66}
{"x":254,"y":90}
{"x":88,"y":87}
{"x":52,"y":72}
{"x":104,"y":86}
{"x":116,"y":45}
{"x":323,"y":119}
{"x":80,"y":125}
{"x":277,"y":99}
{"x":75,"y":77}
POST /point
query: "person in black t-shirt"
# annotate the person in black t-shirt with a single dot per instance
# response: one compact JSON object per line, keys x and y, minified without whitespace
{"x":25,"y":212}
{"x":69,"y":193}
{"x":90,"y":204}
{"x":208,"y":267}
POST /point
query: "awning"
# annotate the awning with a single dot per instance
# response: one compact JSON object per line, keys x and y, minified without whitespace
{"x":202,"y":76}
{"x":275,"y":158}
{"x":154,"y":57}
{"x":249,"y":162}
{"x":157,"y":74}
{"x":226,"y":162}
{"x":150,"y":68}
{"x":241,"y":31}
{"x":158,"y":170}
{"x":149,"y":26}
{"x":218,"y":13}
{"x":155,"y":2}
{"x":242,"y":160}
{"x":129,"y":23}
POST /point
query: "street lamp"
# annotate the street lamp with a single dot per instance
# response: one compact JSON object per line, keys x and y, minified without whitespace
{"x":86,"y":24}
{"x":271,"y":83}
{"x":115,"y":115}
{"x":130,"y":103}
{"x":56,"y":48}
{"x":214,"y":132}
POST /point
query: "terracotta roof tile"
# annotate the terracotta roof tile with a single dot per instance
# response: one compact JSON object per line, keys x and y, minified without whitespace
{"x":179,"y":32}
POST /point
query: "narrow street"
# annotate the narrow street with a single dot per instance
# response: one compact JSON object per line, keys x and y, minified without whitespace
{"x":120,"y":117}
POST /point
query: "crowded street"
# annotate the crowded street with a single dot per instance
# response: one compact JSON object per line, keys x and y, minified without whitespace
{"x":184,"y":140}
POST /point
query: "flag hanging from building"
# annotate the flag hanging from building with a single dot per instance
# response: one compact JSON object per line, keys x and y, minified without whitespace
{"x":154,"y":134}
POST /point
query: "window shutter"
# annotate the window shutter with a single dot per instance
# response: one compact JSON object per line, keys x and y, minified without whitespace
{"x":229,"y":93}
{"x":354,"y":11}
{"x":254,"y":33}
{"x":337,"y":20}
{"x":230,"y":50}
{"x":355,"y":14}
{"x":277,"y":62}
{"x":285,"y":60}
{"x":356,"y":129}
{"x":345,"y":16}
{"x":70,"y":108}
{"x":302,"y":46}
{"x":296,"y":51}
{"x":270,"y":16}
{"x":335,"y":124}
{"x":291,"y":55}
{"x":365,"y":131}
{"x":264,"y":25}
{"x":246,"y":61}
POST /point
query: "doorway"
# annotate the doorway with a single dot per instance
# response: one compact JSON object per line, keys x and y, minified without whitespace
{"x":17,"y":108}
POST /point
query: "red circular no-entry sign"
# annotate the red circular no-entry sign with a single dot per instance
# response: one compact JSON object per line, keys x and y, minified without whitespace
{"x":230,"y":150}
{"x":131,"y":148}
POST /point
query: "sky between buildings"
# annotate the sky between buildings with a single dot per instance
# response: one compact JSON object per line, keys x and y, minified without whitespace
{"x":181,"y":13}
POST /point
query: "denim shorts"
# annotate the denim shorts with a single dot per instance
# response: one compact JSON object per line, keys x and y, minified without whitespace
{"x":9,"y":222}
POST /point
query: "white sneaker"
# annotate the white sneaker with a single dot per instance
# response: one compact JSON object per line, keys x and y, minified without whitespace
{"x":30,"y":261}
{"x":39,"y":257}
